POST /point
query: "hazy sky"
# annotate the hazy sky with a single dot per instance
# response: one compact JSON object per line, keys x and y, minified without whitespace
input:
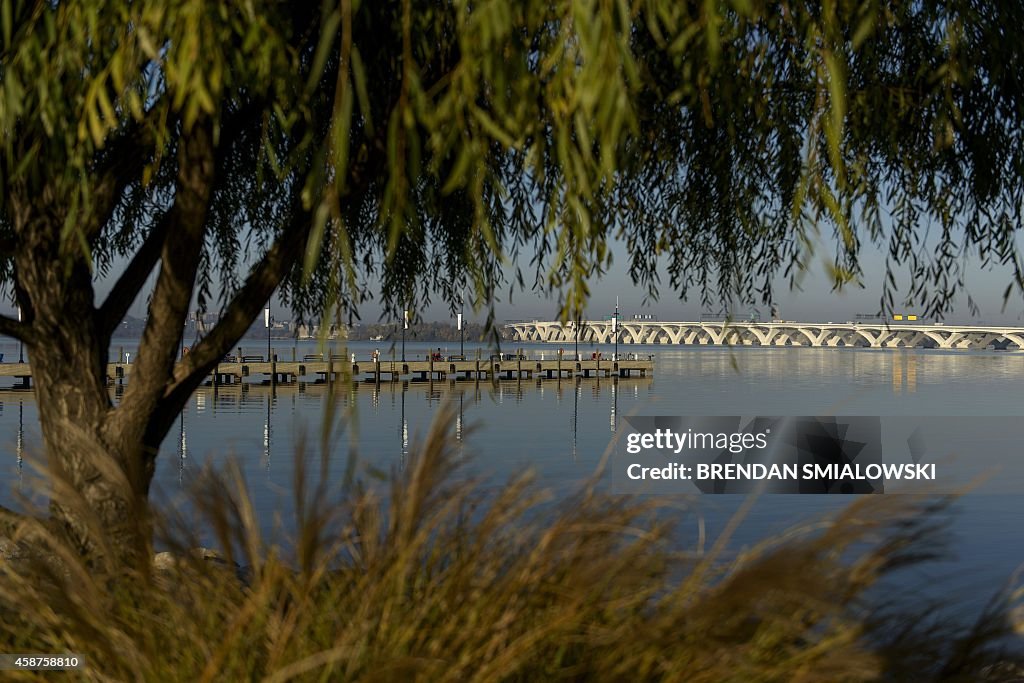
{"x":814,"y":301}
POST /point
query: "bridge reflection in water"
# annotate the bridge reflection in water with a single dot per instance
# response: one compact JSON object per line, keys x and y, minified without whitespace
{"x":904,"y":373}
{"x":830,"y":335}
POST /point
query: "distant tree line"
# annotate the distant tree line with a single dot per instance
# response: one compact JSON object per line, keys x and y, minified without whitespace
{"x":132,"y":328}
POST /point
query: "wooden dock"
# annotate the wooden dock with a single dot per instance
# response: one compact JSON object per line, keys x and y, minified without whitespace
{"x":338,"y":368}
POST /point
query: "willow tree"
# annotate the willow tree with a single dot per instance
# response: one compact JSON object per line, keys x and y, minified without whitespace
{"x":239,"y":148}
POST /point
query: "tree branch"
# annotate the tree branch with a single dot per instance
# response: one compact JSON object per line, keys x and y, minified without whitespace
{"x":134,"y":277}
{"x":173,"y":292}
{"x":9,"y":327}
{"x":121,"y":163}
{"x":244,"y":307}
{"x":127,"y":287}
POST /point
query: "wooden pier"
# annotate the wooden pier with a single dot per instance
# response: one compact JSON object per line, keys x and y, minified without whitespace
{"x":336,"y":368}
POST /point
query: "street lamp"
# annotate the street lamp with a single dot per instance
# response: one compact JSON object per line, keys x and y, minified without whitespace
{"x":462,"y":335}
{"x":266,"y":321}
{"x":615,"y":332}
{"x":577,"y":336}
{"x":405,"y":326}
{"x":21,"y":344}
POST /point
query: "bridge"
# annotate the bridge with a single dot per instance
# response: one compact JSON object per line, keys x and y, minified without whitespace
{"x":777,"y":333}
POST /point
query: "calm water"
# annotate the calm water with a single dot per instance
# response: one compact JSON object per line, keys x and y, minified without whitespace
{"x":561,"y":429}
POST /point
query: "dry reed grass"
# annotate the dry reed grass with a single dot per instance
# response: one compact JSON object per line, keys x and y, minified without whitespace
{"x":452,"y":581}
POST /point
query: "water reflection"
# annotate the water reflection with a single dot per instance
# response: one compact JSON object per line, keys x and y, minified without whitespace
{"x":532,"y":422}
{"x":904,"y":372}
{"x":561,"y":427}
{"x":266,"y":428}
{"x":405,"y":433}
{"x":182,"y":447}
{"x":507,"y":406}
{"x":529,"y":418}
{"x":459,"y":418}
{"x":615,"y":404}
{"x":19,"y":448}
{"x":575,"y":417}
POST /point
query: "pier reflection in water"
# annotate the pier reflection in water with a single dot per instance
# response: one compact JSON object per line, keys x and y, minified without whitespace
{"x":522,"y":410}
{"x":517,"y":424}
{"x":19,"y":446}
{"x":13,"y":439}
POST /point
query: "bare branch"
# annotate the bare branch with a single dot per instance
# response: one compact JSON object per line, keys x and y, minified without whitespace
{"x":121,"y":163}
{"x":9,"y":327}
{"x":240,"y":313}
{"x":127,"y":287}
{"x":134,"y":277}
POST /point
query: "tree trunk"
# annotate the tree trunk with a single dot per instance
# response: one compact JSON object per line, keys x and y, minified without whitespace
{"x":102,"y":458}
{"x":98,"y":481}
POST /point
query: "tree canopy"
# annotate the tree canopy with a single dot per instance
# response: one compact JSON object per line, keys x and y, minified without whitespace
{"x":247,"y":147}
{"x":424,"y":143}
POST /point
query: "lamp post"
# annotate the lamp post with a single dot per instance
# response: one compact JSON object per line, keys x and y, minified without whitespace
{"x":615,"y":331}
{"x":405,"y":326}
{"x":462,"y":336}
{"x":21,"y":344}
{"x":577,"y":337}
{"x":266,"y":321}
